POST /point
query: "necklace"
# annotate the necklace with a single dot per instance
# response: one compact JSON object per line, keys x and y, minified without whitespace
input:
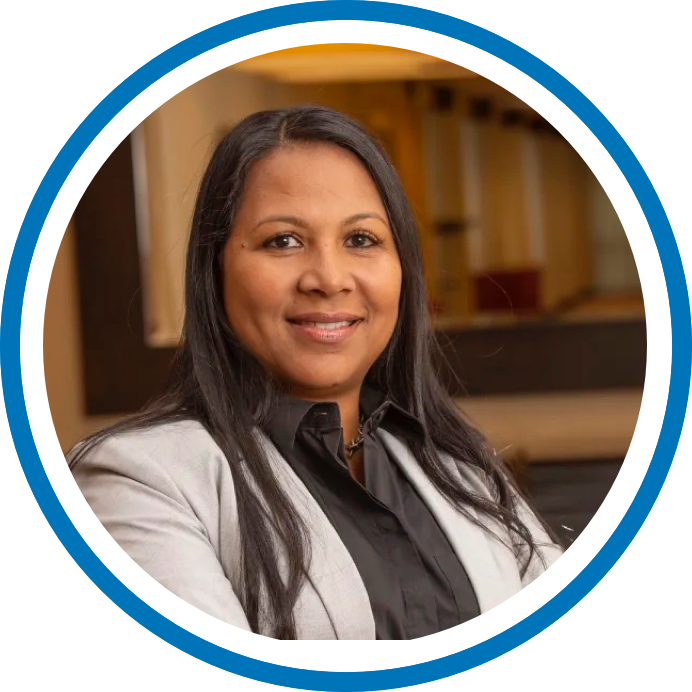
{"x":357,"y":442}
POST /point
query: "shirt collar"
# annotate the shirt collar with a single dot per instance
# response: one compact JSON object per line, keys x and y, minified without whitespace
{"x":378,"y":411}
{"x":290,"y":413}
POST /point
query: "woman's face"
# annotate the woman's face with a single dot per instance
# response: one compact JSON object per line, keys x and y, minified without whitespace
{"x":312,"y":277}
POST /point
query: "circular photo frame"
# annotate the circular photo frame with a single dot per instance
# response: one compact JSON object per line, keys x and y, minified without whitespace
{"x":588,"y":559}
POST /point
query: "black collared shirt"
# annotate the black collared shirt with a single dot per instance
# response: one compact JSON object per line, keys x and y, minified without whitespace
{"x":415,"y":582}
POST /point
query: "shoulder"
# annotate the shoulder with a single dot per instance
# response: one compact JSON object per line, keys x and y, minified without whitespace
{"x":477,"y":483}
{"x":176,"y":458}
{"x":169,"y":444}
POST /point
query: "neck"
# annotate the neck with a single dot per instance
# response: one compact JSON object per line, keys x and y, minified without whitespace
{"x":349,"y":408}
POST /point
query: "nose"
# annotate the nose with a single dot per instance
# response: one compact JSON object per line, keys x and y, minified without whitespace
{"x":327,"y":271}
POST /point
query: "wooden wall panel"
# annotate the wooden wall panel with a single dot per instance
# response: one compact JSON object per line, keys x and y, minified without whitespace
{"x":121,"y":373}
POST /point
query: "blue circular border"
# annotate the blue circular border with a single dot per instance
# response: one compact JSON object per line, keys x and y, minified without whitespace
{"x":393,"y":14}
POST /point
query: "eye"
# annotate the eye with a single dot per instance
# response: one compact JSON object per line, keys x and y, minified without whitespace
{"x":282,"y":241}
{"x":362,"y":239}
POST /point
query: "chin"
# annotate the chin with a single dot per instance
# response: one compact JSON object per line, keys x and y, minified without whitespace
{"x":323,"y":382}
{"x":321,"y":385}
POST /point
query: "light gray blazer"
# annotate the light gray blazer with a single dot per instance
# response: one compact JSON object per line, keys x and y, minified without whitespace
{"x":166,"y":496}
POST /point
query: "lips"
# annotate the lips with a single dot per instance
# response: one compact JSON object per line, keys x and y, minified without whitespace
{"x":325,"y":319}
{"x":326,"y":328}
{"x":327,"y":325}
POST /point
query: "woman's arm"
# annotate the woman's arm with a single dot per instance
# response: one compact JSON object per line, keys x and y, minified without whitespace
{"x":147,"y":513}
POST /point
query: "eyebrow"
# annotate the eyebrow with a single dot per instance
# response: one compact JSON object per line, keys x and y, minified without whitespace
{"x":364,"y":215}
{"x":296,"y":221}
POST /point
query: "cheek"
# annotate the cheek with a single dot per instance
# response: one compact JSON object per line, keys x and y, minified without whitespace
{"x":384,"y":289}
{"x":252,"y":293}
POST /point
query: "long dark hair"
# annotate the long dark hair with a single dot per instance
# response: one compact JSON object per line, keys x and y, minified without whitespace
{"x":215,"y":381}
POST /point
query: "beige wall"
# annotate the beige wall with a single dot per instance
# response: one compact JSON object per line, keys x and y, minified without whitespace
{"x":62,"y":351}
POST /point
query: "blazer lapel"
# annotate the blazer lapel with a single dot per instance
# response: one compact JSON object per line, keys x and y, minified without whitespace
{"x":491,"y":566}
{"x":334,"y":587}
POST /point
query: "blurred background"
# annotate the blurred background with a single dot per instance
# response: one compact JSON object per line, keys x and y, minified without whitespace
{"x":533,"y":288}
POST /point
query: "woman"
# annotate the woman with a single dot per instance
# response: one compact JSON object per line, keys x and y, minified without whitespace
{"x":305,"y":475}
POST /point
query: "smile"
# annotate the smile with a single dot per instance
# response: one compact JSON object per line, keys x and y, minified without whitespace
{"x":325,"y":332}
{"x":327,"y":325}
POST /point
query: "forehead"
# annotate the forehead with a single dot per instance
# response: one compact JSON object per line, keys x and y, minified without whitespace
{"x":320,"y":177}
